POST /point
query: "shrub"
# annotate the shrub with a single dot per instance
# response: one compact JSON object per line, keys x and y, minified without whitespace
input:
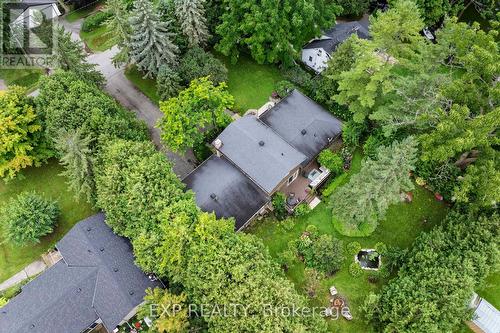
{"x":442,"y":178}
{"x":327,"y":254}
{"x":287,"y":224}
{"x":279,"y":206}
{"x":29,"y":217}
{"x":380,"y":248}
{"x":374,"y":141}
{"x":331,"y":161}
{"x":286,"y":258}
{"x":323,"y":253}
{"x":373,"y":277}
{"x":300,"y":78}
{"x":94,"y":21}
{"x":312,"y":281}
{"x":353,"y":132}
{"x":353,"y":248}
{"x":167,"y":83}
{"x":283,"y":88}
{"x":197,"y":63}
{"x":301,"y":210}
{"x":355,"y":270}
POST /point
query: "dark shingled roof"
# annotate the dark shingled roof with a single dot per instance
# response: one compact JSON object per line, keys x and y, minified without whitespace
{"x":303,"y":123}
{"x":259,"y":152}
{"x":97,"y":278}
{"x":236,"y":195}
{"x":338,"y":34}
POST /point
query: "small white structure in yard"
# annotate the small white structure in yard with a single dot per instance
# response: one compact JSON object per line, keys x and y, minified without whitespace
{"x":486,"y":317}
{"x":317,"y":52}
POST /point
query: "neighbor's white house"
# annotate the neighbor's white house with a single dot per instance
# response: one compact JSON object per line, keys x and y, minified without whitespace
{"x":318,"y":51}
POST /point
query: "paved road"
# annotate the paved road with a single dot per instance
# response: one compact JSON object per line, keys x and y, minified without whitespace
{"x":130,"y":97}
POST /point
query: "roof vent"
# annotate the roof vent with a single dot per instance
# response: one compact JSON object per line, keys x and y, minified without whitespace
{"x":303,"y":132}
{"x":115,"y":269}
{"x":213,"y":196}
{"x":218,"y":143}
{"x":102,"y":249}
{"x":89,"y":228}
{"x":131,"y":292}
{"x":79,"y":290}
{"x":261,"y":143}
{"x":32,"y":326}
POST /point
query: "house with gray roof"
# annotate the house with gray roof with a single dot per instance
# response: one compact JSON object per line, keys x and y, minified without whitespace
{"x":318,"y":51}
{"x":260,"y":154}
{"x":95,"y":286}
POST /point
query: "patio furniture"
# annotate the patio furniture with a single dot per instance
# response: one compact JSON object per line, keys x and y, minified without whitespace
{"x":346,"y":313}
{"x":333,"y":291}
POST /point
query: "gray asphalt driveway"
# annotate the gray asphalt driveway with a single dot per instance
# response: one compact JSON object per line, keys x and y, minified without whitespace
{"x":130,"y":97}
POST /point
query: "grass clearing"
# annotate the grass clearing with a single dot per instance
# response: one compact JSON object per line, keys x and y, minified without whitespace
{"x":98,"y":40}
{"x":251,"y":84}
{"x":403,"y":223}
{"x":24,"y":77}
{"x":145,"y":85}
{"x":76,"y":14}
{"x":46,"y":181}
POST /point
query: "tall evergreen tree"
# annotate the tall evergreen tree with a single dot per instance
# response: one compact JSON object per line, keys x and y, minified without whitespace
{"x":76,"y":157}
{"x":150,"y":41}
{"x":191,"y":15}
{"x":119,"y":24}
{"x":361,"y":203}
{"x":70,"y":56}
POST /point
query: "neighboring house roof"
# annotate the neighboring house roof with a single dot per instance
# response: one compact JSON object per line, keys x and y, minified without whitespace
{"x":333,"y":37}
{"x":487,"y":317}
{"x":97,"y":279}
{"x":303,"y":123}
{"x":259,"y":152}
{"x":236,"y":195}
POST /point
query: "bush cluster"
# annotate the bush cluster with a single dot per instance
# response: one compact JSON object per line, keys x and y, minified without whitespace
{"x":94,"y":21}
{"x":28,"y":217}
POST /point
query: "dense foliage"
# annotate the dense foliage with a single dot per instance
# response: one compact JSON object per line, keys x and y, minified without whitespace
{"x":78,"y":161}
{"x":201,"y":104}
{"x":444,"y":267}
{"x":70,"y":56}
{"x":272,"y":32}
{"x":361,"y":203}
{"x":28,"y":217}
{"x":150,"y":43}
{"x":197,"y":63}
{"x":22,"y":140}
{"x":332,"y":161}
{"x":134,"y":182}
{"x":321,"y":252}
{"x":69,"y":103}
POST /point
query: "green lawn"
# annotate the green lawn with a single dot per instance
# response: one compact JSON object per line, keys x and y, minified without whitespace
{"x":490,"y":291}
{"x":403,"y":223}
{"x":44,"y":180}
{"x":251,"y":84}
{"x":146,"y":86}
{"x":99,"y":39}
{"x":25,"y":77}
{"x":77,"y":14}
